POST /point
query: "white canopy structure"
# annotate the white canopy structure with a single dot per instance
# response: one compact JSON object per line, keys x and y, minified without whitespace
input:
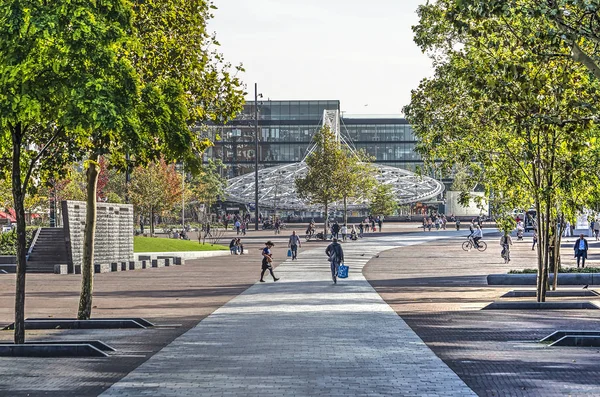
{"x":277,"y":186}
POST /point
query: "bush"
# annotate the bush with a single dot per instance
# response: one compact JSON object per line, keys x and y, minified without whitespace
{"x":8,"y":241}
{"x":562,"y":270}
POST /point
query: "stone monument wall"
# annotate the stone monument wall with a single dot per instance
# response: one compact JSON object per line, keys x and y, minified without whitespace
{"x":114,"y":232}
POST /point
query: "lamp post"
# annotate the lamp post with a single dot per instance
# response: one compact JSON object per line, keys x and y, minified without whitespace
{"x":256,"y":211}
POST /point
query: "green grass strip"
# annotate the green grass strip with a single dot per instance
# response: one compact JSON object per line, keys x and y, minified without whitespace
{"x":157,"y":244}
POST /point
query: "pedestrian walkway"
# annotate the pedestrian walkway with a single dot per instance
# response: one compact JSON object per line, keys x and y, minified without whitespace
{"x":302,"y":336}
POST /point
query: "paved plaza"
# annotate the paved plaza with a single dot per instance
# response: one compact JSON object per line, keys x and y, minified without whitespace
{"x":412,"y":325}
{"x":301,"y":336}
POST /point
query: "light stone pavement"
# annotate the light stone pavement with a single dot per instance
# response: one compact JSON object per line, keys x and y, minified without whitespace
{"x":302,"y":336}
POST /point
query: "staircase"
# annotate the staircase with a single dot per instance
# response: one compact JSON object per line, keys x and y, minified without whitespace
{"x":48,"y":250}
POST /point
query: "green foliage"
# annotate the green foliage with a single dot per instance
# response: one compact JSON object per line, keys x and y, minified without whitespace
{"x":208,"y":185}
{"x":522,"y":120}
{"x":383,"y":201}
{"x":506,"y":223}
{"x":322,"y":183}
{"x":8,"y":241}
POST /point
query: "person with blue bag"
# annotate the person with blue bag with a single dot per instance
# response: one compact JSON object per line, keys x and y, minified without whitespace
{"x":293,"y":244}
{"x":336,"y":257}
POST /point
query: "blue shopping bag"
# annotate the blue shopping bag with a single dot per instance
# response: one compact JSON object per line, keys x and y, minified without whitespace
{"x":343,"y":271}
{"x":289,"y":253}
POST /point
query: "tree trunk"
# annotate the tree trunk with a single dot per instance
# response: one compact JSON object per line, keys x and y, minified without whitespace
{"x":345,"y":210}
{"x":326,"y":219}
{"x":19,"y":198}
{"x":557,"y":242}
{"x":89,"y":236}
{"x":151,"y":221}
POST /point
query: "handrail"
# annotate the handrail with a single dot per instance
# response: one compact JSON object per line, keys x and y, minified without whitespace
{"x":35,"y":237}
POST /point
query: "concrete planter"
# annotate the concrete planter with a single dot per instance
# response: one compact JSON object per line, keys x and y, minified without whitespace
{"x":530,"y":279}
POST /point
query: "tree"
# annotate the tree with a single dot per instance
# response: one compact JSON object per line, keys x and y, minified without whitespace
{"x":357,"y":172}
{"x":383,"y":201}
{"x":521,"y":120}
{"x":322,"y":184}
{"x":208,"y":185}
{"x":573,"y":23}
{"x":182,"y":81}
{"x":59,"y":70}
{"x":155,"y":188}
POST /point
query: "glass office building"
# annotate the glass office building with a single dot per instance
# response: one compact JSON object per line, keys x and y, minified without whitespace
{"x":285,"y":132}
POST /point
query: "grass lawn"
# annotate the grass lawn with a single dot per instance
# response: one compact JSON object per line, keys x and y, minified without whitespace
{"x":157,"y":244}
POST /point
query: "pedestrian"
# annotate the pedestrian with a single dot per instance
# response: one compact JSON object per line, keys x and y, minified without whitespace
{"x":293,"y":244}
{"x":505,"y":243}
{"x":335,"y":230}
{"x":581,"y":249}
{"x":361,"y":228}
{"x":238,"y":227}
{"x":457,"y":224}
{"x":535,"y":238}
{"x":267,"y":261}
{"x":344,"y":231}
{"x":596,"y":229}
{"x":335,"y":257}
{"x":379,"y":222}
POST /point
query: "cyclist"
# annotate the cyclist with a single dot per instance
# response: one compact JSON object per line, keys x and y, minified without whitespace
{"x":477,"y":235}
{"x":505,"y":243}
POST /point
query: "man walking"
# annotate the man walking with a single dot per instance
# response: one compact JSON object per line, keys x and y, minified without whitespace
{"x":293,"y":244}
{"x":581,"y":249}
{"x":266,"y":261}
{"x":335,"y":230}
{"x":336,"y":256}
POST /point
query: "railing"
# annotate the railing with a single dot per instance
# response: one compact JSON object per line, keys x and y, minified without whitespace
{"x":35,"y":237}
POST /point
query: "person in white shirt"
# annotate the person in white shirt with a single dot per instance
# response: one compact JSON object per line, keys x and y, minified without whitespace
{"x":477,"y":235}
{"x":344,"y":231}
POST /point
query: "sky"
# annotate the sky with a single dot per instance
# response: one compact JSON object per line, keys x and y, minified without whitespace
{"x":360,"y":52}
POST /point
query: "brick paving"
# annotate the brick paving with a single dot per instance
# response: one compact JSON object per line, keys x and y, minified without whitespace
{"x":438,"y":290}
{"x":174,"y":295}
{"x":301,"y":336}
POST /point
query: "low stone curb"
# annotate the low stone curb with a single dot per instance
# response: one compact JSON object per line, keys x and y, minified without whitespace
{"x":530,"y":279}
{"x":143,"y":263}
{"x":541,"y":306}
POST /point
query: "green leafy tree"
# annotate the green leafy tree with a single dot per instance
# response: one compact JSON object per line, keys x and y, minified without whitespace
{"x":59,"y":76}
{"x":522,"y":121}
{"x":182,"y":81}
{"x":208,"y":185}
{"x":322,"y":183}
{"x":383,"y":201}
{"x":358,"y":174}
{"x":155,"y":188}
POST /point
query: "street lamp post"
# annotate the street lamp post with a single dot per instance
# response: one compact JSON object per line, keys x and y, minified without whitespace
{"x":256,"y":211}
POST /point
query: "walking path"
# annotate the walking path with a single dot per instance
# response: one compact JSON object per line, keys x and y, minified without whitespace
{"x":301,"y":336}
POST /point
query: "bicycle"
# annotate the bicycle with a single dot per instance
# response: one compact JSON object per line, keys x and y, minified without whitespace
{"x":469,"y":244}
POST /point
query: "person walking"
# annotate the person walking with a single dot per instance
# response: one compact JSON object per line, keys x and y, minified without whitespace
{"x":238,"y":226}
{"x":380,"y":222}
{"x":267,"y":260}
{"x":335,"y":230}
{"x":344,"y":231}
{"x":335,"y":257}
{"x":581,"y":249}
{"x":535,"y":238}
{"x":505,"y":243}
{"x":293,"y":245}
{"x":596,"y":229}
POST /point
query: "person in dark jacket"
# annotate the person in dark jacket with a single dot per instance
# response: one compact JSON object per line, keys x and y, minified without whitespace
{"x":266,"y":261}
{"x":581,"y":249}
{"x":336,"y":257}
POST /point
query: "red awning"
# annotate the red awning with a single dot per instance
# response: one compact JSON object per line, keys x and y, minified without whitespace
{"x":4,"y":215}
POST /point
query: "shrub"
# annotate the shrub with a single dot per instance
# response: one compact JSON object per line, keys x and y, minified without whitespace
{"x":8,"y":241}
{"x":562,"y":270}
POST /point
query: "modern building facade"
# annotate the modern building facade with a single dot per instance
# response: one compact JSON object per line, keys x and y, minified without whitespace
{"x":286,"y":129}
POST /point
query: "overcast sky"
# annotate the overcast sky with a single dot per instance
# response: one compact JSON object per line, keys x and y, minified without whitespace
{"x":360,"y":52}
